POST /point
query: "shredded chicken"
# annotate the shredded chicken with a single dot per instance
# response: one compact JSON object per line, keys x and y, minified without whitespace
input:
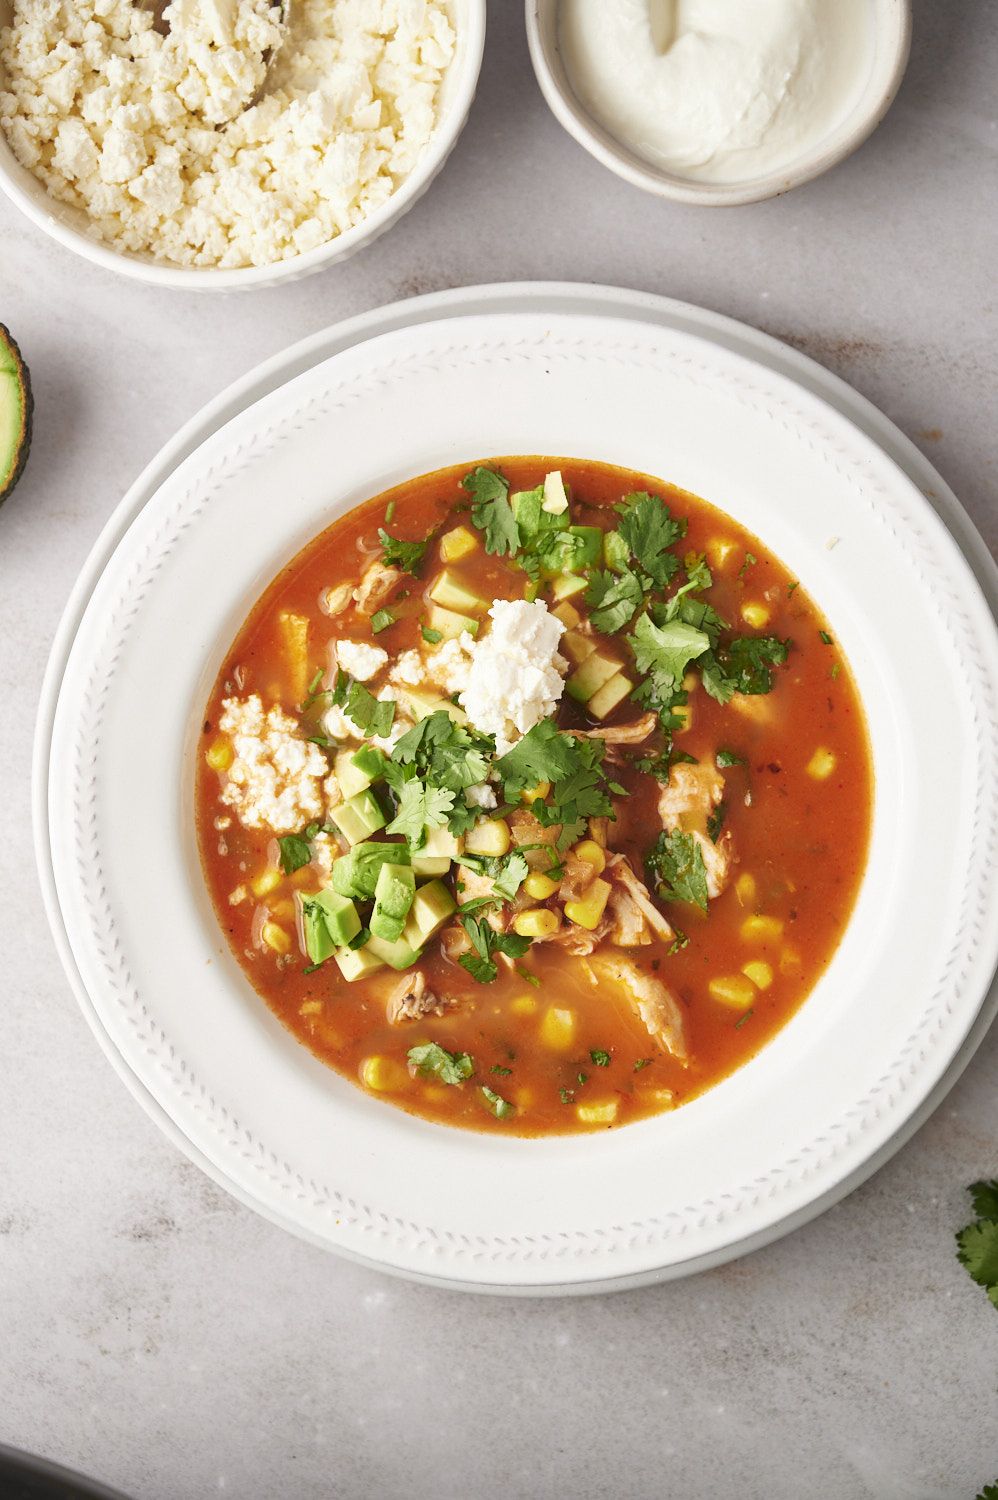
{"x":624,"y":879}
{"x":375,"y":586}
{"x":333,"y":601}
{"x":454,"y":941}
{"x":578,"y":877}
{"x":622,"y":734}
{"x":579,"y":941}
{"x":657,"y":1006}
{"x":412,"y":999}
{"x":685,"y":802}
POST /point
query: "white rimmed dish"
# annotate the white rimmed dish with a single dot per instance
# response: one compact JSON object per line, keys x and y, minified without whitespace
{"x":69,"y":227}
{"x":302,"y":1145}
{"x":892,"y":42}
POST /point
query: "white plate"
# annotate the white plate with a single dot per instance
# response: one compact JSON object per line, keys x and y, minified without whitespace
{"x":297,"y":1141}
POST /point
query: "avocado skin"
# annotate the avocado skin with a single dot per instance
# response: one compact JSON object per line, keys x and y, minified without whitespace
{"x":23,"y":446}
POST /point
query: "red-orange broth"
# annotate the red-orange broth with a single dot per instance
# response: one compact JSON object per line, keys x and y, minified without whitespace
{"x":797,"y":811}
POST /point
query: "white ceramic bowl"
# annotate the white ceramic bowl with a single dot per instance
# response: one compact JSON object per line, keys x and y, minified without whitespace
{"x":70,"y":227}
{"x":892,"y":21}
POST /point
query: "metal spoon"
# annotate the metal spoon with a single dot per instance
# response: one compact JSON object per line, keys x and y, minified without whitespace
{"x":157,"y":9}
{"x":663,"y":18}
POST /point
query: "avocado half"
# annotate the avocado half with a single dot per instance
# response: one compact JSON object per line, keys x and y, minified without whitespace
{"x":16,"y":406}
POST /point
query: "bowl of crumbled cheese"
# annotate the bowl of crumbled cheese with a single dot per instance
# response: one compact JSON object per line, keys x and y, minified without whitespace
{"x":229,"y":143}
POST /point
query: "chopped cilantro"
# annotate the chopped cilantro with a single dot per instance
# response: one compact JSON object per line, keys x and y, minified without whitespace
{"x":726,"y":758}
{"x":371,"y":715}
{"x":398,"y":554}
{"x":294,"y":849}
{"x":566,"y":1096}
{"x":499,"y":1106}
{"x":420,"y":807}
{"x":679,"y":942}
{"x":312,"y":694}
{"x":506,"y":871}
{"x":677,"y":864}
{"x":649,"y":529}
{"x":360,"y":938}
{"x":600,"y":1057}
{"x":480,"y":964}
{"x":977,"y":1244}
{"x":582,"y":1077}
{"x":642,"y":1062}
{"x":491,"y":511}
{"x":431,"y":636}
{"x":617,"y":790}
{"x":744,"y":665}
{"x":530,"y":978}
{"x":381,"y":620}
{"x":665,"y":651}
{"x":698,"y":575}
{"x":543,"y":754}
{"x":750,"y":561}
{"x":825,"y":637}
{"x":742,"y":1019}
{"x":791,"y":587}
{"x":715,"y":821}
{"x":434,"y":1061}
{"x":498,"y":1068}
{"x":614,"y":598}
{"x":445,"y":753}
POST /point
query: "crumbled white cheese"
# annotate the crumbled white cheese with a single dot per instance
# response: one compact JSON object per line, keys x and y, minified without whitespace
{"x":448,"y":666}
{"x":324,"y":851}
{"x":275,"y":780}
{"x":360,"y":660}
{"x":409,"y":669}
{"x":150,"y":137}
{"x":480,"y":795}
{"x":516,"y":675}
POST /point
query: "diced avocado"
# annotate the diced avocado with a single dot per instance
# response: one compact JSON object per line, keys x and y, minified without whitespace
{"x":371,"y":762}
{"x":328,"y":921}
{"x":392,"y":899}
{"x":587,"y":545}
{"x":359,"y":816}
{"x":576,"y":647}
{"x":591,"y":675}
{"x":432,"y":906}
{"x":421,"y":703}
{"x":555,"y":495}
{"x":449,"y":591}
{"x":568,"y":615}
{"x":16,"y":407}
{"x":436,"y":854}
{"x":398,"y":955}
{"x":531,"y":517}
{"x":349,"y":778}
{"x":451,"y":624}
{"x":355,"y":963}
{"x":356,"y":874}
{"x":568,"y":584}
{"x":615,"y":551}
{"x":609,"y":695}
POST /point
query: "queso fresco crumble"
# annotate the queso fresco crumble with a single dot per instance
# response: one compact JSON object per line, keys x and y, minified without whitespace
{"x":154,"y":139}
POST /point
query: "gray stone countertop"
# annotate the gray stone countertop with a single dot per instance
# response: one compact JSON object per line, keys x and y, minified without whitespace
{"x":158,"y":1335}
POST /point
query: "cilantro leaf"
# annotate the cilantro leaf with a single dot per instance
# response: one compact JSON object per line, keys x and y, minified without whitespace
{"x":445,"y":753}
{"x":372,"y":716}
{"x":398,"y":554}
{"x":614,"y":598}
{"x":666,"y":650}
{"x":985,"y":1196}
{"x":600,"y":1057}
{"x":543,"y":754}
{"x":480,"y":964}
{"x":751,"y":658}
{"x":420,"y":807}
{"x":294,"y":852}
{"x":506,"y":871}
{"x":715,"y":821}
{"x":725,"y":758}
{"x":989,"y":1492}
{"x":381,"y":620}
{"x":434,"y":1061}
{"x":978,"y":1253}
{"x":649,"y":529}
{"x":491,"y":511}
{"x":499,"y":1106}
{"x":676,"y":863}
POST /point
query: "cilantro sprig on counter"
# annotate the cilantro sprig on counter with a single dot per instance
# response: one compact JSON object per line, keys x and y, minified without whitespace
{"x":977,"y":1244}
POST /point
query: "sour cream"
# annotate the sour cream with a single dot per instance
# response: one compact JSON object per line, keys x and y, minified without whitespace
{"x":718,"y":90}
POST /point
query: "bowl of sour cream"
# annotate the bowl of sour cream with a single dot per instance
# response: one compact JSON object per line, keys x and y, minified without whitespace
{"x":719,"y":101}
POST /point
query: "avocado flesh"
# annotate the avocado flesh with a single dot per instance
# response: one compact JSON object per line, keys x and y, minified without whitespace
{"x":16,"y":407}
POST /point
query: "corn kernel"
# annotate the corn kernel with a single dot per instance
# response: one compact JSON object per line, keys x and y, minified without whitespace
{"x":591,"y":852}
{"x":760,"y":973}
{"x":756,"y":615}
{"x":597,"y":1114}
{"x":538,"y":922}
{"x":720,"y":550}
{"x":732,"y":989}
{"x":310,"y":1008}
{"x":789,"y":961}
{"x":523,"y":1005}
{"x":382,"y":1074}
{"x":761,"y":929}
{"x":220,"y":754}
{"x":746,"y":889}
{"x":275,"y":937}
{"x":664,"y":1098}
{"x":531,"y":793}
{"x":457,"y":544}
{"x":558,"y":1028}
{"x":539,"y":887}
{"x":568,"y":615}
{"x":265,"y":882}
{"x":434,"y":1095}
{"x":489,"y":836}
{"x":822,"y":764}
{"x":588,"y":911}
